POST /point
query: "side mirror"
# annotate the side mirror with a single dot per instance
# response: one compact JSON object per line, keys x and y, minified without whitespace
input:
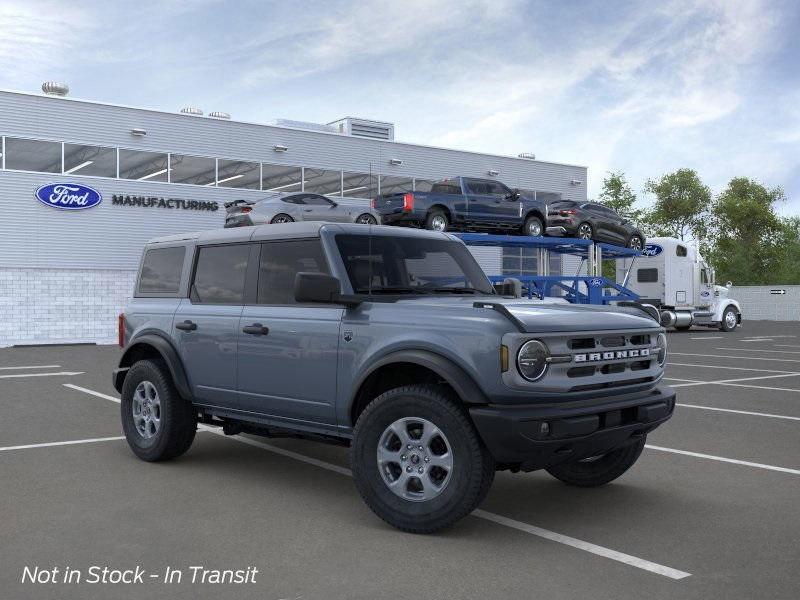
{"x":334,"y":204}
{"x":320,"y":287}
{"x":514,"y":195}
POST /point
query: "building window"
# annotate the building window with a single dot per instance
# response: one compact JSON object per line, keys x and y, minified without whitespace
{"x":195,"y":170}
{"x":238,"y":174}
{"x":396,"y":185}
{"x":33,"y":155}
{"x":279,"y":178}
{"x":423,"y":185}
{"x":359,"y":185}
{"x":90,"y":160}
{"x":520,"y":261}
{"x":321,"y":181}
{"x":143,"y":166}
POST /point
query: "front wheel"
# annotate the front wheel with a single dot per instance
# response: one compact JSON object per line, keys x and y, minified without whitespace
{"x":635,"y":243}
{"x":158,"y":423}
{"x":585,"y":231}
{"x":417,"y":460}
{"x":366,"y":219}
{"x":533,"y":227}
{"x":729,"y":320}
{"x":601,"y":469}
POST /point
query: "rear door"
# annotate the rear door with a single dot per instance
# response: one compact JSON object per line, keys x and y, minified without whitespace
{"x":207,"y":323}
{"x":480,"y":201}
{"x":288,"y":352}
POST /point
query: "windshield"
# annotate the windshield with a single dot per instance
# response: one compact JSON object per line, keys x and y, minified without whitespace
{"x":410,"y":265}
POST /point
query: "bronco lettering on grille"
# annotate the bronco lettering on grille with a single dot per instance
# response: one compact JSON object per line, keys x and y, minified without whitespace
{"x":615,"y":355}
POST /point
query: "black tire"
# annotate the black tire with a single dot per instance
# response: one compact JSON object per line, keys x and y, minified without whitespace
{"x":178,"y":420}
{"x":533,"y":227}
{"x":473,"y":467}
{"x":282,"y":218}
{"x":728,"y":324}
{"x":585,"y":231}
{"x":435,"y":218}
{"x":366,"y":219}
{"x":635,"y":242}
{"x":599,"y":471}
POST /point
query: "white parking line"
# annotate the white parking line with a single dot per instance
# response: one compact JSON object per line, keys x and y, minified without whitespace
{"x":723,"y":459}
{"x":733,"y":381}
{"x":731,"y":368}
{"x":760,"y":350}
{"x":67,"y":443}
{"x":31,"y":367}
{"x":633,"y":561}
{"x":739,"y":412}
{"x":707,"y":337}
{"x":747,"y":358}
{"x":64,"y":373}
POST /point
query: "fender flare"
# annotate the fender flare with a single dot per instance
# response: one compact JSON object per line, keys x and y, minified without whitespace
{"x":462,"y":383}
{"x":168,"y":353}
{"x":723,"y":306}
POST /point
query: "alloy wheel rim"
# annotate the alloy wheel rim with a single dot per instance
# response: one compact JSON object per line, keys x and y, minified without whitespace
{"x":281,"y":220}
{"x":438,"y":223}
{"x":366,"y":220}
{"x":146,"y":409}
{"x":534,"y":229}
{"x":636,"y":243}
{"x":585,"y":232}
{"x":730,"y":319}
{"x":415,"y":459}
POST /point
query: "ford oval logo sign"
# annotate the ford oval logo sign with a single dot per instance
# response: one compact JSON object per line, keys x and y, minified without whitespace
{"x":68,"y":196}
{"x":652,"y":250}
{"x":595,"y":282}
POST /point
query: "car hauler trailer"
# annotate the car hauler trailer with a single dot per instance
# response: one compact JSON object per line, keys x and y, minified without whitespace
{"x":672,"y":276}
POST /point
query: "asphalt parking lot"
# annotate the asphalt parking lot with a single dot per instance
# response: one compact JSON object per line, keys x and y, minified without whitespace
{"x":711,"y":509}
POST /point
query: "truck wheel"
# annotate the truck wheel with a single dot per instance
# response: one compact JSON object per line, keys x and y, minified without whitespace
{"x":158,"y":423}
{"x":436,"y":220}
{"x":533,"y":227}
{"x":417,"y":460}
{"x":599,"y":470}
{"x":282,"y":218}
{"x":729,"y":320}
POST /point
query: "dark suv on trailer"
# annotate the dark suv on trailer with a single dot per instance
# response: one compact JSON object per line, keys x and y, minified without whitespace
{"x":391,"y":341}
{"x":593,"y":221}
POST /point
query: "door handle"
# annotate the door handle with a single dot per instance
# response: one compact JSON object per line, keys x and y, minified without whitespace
{"x":255,"y":329}
{"x":308,"y":209}
{"x":186,"y":326}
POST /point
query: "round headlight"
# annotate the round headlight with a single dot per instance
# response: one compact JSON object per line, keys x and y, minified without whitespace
{"x":661,"y":347}
{"x":532,"y":360}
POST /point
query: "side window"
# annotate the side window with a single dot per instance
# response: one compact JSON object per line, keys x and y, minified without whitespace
{"x":703,"y":276}
{"x":315,"y":200}
{"x":299,"y":199}
{"x":281,"y":262}
{"x":446,"y":187}
{"x":680,"y":250}
{"x":497,"y":189}
{"x":161,"y":271}
{"x":219,"y":274}
{"x":477,"y":187}
{"x":647,"y":275}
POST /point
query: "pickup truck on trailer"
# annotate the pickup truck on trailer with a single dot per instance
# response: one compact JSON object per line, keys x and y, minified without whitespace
{"x":391,"y":341}
{"x":466,"y":203}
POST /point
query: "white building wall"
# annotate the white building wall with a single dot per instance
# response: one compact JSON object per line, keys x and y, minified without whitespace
{"x":759,"y":303}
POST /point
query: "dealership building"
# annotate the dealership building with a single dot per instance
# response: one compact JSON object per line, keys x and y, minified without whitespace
{"x":65,"y":274}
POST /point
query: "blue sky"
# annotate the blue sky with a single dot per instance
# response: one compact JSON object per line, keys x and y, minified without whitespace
{"x":641,"y":87}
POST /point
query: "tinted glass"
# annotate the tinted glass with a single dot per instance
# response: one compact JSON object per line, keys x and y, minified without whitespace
{"x":497,"y":189}
{"x":384,"y":264}
{"x":360,"y":185}
{"x":423,"y":185}
{"x":395,"y":185}
{"x":446,"y":187}
{"x":90,"y":160}
{"x":315,"y":200}
{"x":144,"y":166}
{"x":647,"y":275}
{"x":478,"y":187}
{"x":281,"y":262}
{"x":298,"y":199}
{"x":161,"y":271}
{"x":196,"y":170}
{"x":680,"y":251}
{"x":325,"y":182}
{"x":278,"y":178}
{"x":219,"y":276}
{"x":33,"y":155}
{"x":238,"y":174}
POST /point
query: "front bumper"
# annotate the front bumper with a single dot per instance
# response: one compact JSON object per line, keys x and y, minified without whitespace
{"x":534,"y":437}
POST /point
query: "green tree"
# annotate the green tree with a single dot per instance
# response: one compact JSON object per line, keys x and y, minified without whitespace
{"x":750,"y":243}
{"x":681,"y":206}
{"x":618,"y":195}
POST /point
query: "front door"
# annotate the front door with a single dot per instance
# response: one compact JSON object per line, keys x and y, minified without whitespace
{"x":288,"y":352}
{"x":207,"y":323}
{"x":319,"y":208}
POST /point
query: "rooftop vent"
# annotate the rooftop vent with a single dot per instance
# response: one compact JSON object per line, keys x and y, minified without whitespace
{"x":527,"y":155}
{"x":219,"y":115}
{"x":303,"y":125}
{"x":376,"y":130}
{"x":53,"y":88}
{"x":192,"y":110}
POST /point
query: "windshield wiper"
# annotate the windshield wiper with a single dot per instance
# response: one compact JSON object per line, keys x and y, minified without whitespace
{"x":390,"y":290}
{"x":459,"y":290}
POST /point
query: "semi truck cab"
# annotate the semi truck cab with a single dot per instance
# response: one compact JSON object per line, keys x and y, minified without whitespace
{"x":673,"y":276}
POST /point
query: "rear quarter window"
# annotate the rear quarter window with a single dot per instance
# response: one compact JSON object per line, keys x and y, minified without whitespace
{"x":161,"y":271}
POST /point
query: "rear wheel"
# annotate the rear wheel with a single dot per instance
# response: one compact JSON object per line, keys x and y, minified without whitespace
{"x":635,"y":243}
{"x":729,"y":319}
{"x":282,"y":218}
{"x":417,"y":460}
{"x":436,"y":220}
{"x":585,"y":231}
{"x":601,"y":469}
{"x":158,"y":423}
{"x":533,"y":227}
{"x":367,"y":219}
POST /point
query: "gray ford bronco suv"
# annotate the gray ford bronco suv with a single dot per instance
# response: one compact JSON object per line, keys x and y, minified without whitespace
{"x":393,"y":342}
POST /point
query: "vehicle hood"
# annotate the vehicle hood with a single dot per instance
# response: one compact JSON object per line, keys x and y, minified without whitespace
{"x":543,"y":316}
